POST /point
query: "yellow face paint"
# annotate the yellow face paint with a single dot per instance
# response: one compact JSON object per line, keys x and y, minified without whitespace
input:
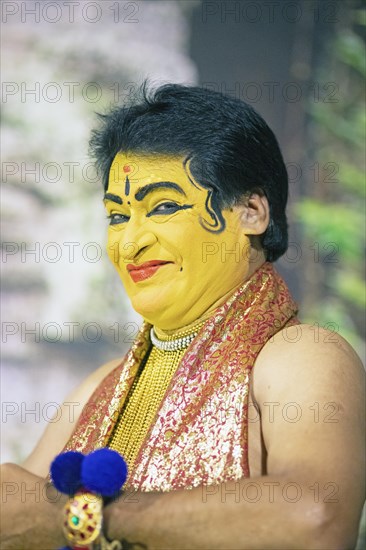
{"x":173,"y":268}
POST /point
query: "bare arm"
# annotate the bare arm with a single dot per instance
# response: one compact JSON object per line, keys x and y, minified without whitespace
{"x":30,"y":507}
{"x":30,"y":511}
{"x":310,"y":399}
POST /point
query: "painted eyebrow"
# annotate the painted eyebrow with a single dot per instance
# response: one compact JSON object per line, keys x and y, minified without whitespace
{"x":113,"y":198}
{"x":141,"y":193}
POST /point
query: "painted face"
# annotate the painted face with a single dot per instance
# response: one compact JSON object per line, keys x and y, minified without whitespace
{"x":174,"y":269}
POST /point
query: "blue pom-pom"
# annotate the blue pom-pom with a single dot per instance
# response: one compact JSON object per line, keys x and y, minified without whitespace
{"x":104,"y":472}
{"x":66,"y":472}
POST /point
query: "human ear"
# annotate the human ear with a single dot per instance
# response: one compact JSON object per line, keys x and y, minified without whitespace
{"x":254,"y":213}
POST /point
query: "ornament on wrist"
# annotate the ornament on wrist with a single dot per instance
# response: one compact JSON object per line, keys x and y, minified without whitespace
{"x":88,"y":480}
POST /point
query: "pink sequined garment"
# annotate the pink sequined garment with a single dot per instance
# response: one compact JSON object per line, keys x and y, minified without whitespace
{"x":200,"y":433}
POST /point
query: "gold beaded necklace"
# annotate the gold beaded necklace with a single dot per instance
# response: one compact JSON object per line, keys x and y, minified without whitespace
{"x":148,"y":390}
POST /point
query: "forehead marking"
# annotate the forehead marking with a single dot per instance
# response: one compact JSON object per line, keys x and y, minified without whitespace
{"x":127,"y":186}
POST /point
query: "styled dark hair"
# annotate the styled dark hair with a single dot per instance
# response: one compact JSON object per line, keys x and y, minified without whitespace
{"x":232,"y":150}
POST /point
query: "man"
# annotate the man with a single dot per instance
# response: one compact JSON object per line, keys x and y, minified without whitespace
{"x":240,"y":429}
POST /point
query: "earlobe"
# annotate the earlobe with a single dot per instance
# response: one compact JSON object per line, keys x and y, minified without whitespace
{"x":254,"y":214}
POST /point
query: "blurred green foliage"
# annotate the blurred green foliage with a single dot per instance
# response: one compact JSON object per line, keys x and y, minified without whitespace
{"x":335,"y":213}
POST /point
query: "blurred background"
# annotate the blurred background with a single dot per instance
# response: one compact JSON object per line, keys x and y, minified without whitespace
{"x":301,"y":64}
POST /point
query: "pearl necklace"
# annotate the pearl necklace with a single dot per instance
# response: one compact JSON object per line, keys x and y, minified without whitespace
{"x":173,"y":343}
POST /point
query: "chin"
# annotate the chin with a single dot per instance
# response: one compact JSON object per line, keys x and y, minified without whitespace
{"x":149,"y":306}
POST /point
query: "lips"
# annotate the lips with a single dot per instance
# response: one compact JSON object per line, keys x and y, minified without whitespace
{"x":145,"y":270}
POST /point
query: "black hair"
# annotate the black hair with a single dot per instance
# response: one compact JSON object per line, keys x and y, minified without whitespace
{"x":232,"y":151}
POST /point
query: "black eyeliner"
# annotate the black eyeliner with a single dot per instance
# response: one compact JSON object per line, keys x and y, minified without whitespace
{"x":170,"y":210}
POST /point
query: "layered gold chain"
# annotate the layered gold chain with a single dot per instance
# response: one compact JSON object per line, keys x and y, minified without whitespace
{"x":145,"y":397}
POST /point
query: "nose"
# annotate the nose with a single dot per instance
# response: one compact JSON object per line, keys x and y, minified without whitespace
{"x":135,"y":238}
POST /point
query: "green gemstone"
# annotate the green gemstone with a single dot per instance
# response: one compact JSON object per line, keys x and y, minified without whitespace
{"x":75,"y":520}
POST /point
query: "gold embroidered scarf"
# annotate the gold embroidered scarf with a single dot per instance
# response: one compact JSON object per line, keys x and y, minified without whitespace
{"x":200,"y":433}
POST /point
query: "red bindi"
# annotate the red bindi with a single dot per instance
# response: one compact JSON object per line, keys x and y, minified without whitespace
{"x":127,"y":168}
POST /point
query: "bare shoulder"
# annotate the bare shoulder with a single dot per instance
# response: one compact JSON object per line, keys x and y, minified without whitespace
{"x":316,"y":378}
{"x":309,"y":351}
{"x":315,"y":385}
{"x":57,"y":433}
{"x":311,"y":337}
